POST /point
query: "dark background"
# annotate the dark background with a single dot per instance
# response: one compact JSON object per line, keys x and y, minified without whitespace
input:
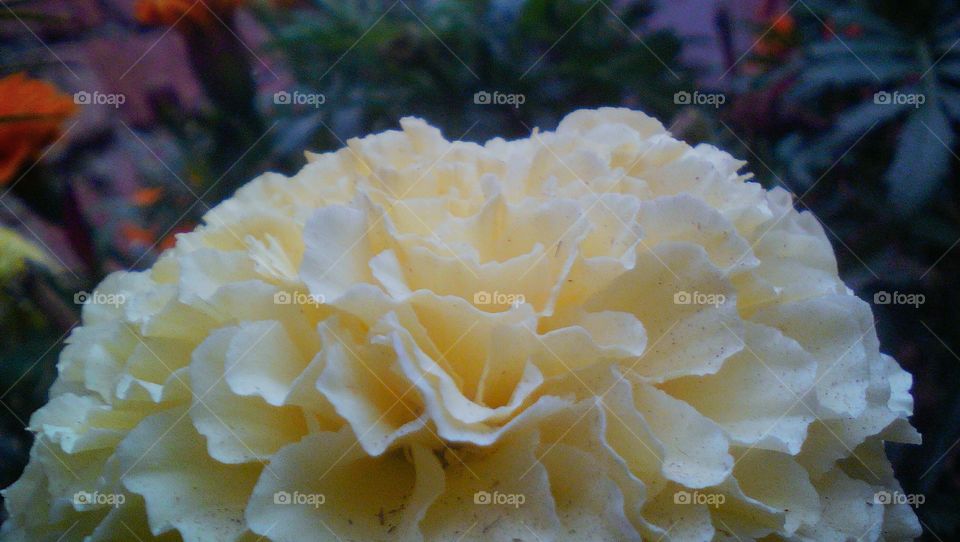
{"x":111,"y":185}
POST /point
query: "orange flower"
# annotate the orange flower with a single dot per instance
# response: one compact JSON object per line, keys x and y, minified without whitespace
{"x":854,"y":31}
{"x":136,"y":235}
{"x":31,"y":113}
{"x":170,"y":12}
{"x":777,"y":38}
{"x":784,"y":25}
{"x":146,"y":197}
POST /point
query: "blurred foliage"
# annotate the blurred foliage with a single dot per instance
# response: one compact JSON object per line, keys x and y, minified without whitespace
{"x":26,"y":10}
{"x":882,"y":176}
{"x":876,"y":67}
{"x":429,"y":59}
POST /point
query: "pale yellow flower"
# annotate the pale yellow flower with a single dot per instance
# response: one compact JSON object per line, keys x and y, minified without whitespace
{"x":598,"y":333}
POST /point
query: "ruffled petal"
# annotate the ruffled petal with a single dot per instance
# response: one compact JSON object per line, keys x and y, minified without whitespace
{"x":327,"y":486}
{"x":199,"y":497}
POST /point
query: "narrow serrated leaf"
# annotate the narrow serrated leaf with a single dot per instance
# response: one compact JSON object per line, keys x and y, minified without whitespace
{"x":867,"y":49}
{"x":846,"y":73}
{"x":856,"y":121}
{"x":923,"y":157}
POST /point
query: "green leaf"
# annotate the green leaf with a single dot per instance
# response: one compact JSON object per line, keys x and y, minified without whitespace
{"x":849,"y":72}
{"x":923,"y":157}
{"x":808,"y":158}
{"x":843,"y":15}
{"x":27,"y":117}
{"x":868,"y":49}
{"x":854,"y":122}
{"x":32,"y":15}
{"x":796,"y":153}
{"x":296,"y":134}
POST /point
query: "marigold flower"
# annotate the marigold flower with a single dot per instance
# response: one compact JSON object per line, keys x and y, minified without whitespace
{"x":137,"y":235}
{"x":145,"y":197}
{"x":597,"y":333}
{"x":785,"y":24}
{"x":31,"y":115}
{"x":170,"y":12}
{"x":779,"y":33}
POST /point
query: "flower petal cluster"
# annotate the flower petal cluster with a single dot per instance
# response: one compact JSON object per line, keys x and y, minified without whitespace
{"x":597,"y":333}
